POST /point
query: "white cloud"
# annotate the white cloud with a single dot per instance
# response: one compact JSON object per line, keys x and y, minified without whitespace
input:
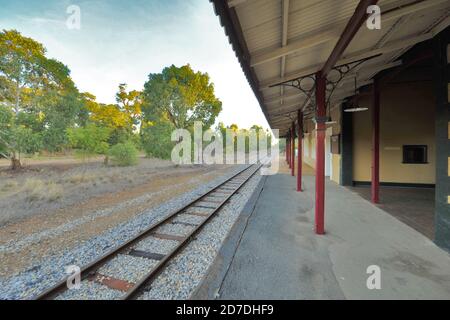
{"x":125,"y":41}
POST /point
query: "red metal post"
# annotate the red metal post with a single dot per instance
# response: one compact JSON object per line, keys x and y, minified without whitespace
{"x":356,"y":21}
{"x":289,"y":150}
{"x":299,"y":150}
{"x":376,"y":142}
{"x":293,"y":150}
{"x":320,"y":153}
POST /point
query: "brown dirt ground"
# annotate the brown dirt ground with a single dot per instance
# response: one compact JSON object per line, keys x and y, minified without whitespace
{"x":167,"y":181}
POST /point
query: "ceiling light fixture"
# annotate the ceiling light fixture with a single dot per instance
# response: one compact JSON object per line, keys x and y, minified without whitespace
{"x":354,"y":107}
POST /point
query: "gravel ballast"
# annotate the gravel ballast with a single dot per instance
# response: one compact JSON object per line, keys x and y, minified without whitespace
{"x":128,"y":268}
{"x":186,"y":271}
{"x":156,"y":245}
{"x":176,"y":282}
{"x":90,"y":290}
{"x":187,"y":218}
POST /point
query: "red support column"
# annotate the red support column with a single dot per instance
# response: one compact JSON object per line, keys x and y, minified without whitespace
{"x":376,"y":142}
{"x":288,"y":150}
{"x":320,"y":153}
{"x":299,"y":150}
{"x":293,"y":150}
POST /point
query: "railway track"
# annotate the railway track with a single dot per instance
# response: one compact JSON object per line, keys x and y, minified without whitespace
{"x":190,"y":219}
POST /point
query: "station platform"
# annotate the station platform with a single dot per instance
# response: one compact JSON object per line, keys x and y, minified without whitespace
{"x":273,"y":252}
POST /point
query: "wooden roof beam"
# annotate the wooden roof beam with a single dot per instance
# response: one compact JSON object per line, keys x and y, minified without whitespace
{"x":329,"y":35}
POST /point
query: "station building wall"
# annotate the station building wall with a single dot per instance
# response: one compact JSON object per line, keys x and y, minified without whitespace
{"x":407,"y":115}
{"x":414,"y":110}
{"x":309,"y":144}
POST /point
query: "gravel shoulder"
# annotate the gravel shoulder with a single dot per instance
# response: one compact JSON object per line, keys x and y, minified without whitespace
{"x":44,"y":186}
{"x":35,"y":251}
{"x":186,"y":272}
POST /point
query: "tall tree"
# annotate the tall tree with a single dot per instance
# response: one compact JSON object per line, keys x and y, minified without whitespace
{"x":107,"y":115}
{"x":182,"y":96}
{"x":123,"y":118}
{"x":38,"y":91}
{"x":21,"y":66}
{"x":130,"y":103}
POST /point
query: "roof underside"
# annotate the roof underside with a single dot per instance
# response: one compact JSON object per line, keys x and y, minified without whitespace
{"x":281,"y":40}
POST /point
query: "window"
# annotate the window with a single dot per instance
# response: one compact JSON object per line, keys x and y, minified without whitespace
{"x":415,"y":154}
{"x":335,"y":144}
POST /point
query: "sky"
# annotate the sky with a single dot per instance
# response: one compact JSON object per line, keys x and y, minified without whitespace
{"x":124,"y":41}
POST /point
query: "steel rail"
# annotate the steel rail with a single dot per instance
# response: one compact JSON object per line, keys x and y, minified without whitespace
{"x":145,"y":281}
{"x":92,"y":267}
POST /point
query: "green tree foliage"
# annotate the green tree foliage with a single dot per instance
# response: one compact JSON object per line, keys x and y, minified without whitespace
{"x":41,"y":108}
{"x":245,"y":134}
{"x":16,"y":139}
{"x":89,"y":140}
{"x":175,"y":99}
{"x":38,"y":91}
{"x":123,"y":118}
{"x":130,"y":104}
{"x":156,"y":139}
{"x":124,"y":154}
{"x":181,"y":96}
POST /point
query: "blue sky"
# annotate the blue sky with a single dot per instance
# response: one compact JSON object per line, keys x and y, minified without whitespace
{"x":124,"y":41}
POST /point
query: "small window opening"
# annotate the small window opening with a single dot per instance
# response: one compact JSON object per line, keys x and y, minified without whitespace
{"x":415,"y":154}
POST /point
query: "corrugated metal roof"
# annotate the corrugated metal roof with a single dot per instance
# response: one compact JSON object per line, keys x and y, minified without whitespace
{"x":313,"y":28}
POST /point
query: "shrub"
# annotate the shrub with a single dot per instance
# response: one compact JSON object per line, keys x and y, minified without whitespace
{"x":54,"y":192}
{"x":124,"y":154}
{"x":89,"y":140}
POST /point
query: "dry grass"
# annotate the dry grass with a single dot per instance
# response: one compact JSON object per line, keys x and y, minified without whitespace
{"x":54,"y":191}
{"x":81,"y":178}
{"x":36,"y":189}
{"x":9,"y":185}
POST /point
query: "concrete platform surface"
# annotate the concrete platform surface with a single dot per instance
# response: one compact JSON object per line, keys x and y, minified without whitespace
{"x":413,"y":206}
{"x":280,"y":257}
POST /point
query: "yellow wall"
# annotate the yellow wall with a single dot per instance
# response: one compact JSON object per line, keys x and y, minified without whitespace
{"x":309,"y":143}
{"x":336,"y":172}
{"x":336,"y":158}
{"x":406,"y":117}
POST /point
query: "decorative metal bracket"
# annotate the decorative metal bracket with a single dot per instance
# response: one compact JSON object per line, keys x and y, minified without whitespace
{"x":334,"y":78}
{"x":341,"y":72}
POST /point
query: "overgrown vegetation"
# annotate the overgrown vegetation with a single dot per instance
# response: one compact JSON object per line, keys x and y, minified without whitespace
{"x":124,"y":154}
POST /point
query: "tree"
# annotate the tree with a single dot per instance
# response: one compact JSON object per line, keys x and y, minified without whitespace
{"x":40,"y":94}
{"x":181,"y":96}
{"x":20,"y":66}
{"x":130,"y":103}
{"x":90,"y":140}
{"x":257,"y":128}
{"x":108,"y":115}
{"x":64,"y":112}
{"x":16,"y":139}
{"x":123,"y":118}
{"x":156,"y":139}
